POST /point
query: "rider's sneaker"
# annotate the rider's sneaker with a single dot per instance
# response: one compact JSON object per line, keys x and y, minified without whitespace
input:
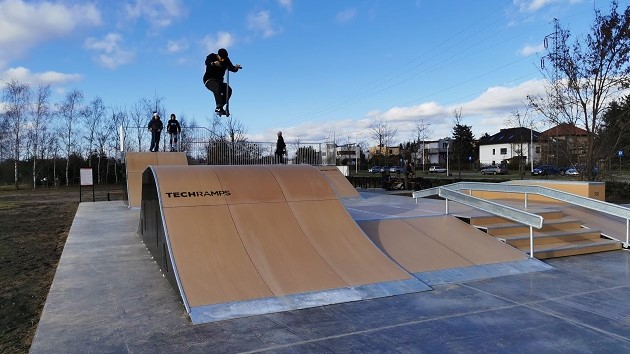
{"x":220,"y":111}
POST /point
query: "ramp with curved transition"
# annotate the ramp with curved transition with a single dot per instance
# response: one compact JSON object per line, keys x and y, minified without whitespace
{"x":443,"y":249}
{"x":137,"y":162}
{"x":245,"y":240}
{"x":339,"y":182}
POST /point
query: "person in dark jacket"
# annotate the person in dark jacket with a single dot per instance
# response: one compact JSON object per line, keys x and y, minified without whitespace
{"x":216,"y":65}
{"x":155,"y":127}
{"x":173,"y":128}
{"x":281,"y":148}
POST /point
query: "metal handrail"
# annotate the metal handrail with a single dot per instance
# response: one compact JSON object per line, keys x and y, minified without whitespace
{"x":520,"y":216}
{"x":570,"y":198}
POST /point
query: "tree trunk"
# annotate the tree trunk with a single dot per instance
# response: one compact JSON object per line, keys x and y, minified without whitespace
{"x":34,"y":175}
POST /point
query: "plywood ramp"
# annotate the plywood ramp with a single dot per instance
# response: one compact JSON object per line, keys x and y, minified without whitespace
{"x":339,"y":182}
{"x":137,"y":162}
{"x":438,"y":242}
{"x":244,"y":240}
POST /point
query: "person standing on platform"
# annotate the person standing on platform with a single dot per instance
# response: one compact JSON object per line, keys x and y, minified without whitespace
{"x":281,"y":149}
{"x":173,"y":128}
{"x":155,"y":127}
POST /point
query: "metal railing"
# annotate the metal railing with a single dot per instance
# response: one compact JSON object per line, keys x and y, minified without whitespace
{"x":569,"y":198}
{"x":203,"y":146}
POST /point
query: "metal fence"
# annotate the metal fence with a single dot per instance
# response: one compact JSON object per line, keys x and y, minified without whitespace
{"x":204,"y":147}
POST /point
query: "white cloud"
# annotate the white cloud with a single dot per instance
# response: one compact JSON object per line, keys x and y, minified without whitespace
{"x":176,"y":46}
{"x":529,"y":50}
{"x":24,"y":75}
{"x":24,"y":25}
{"x":535,"y":5}
{"x":487,"y":113}
{"x":346,"y":15}
{"x":158,"y":13}
{"x":220,"y":40}
{"x":287,"y":4}
{"x":261,"y":22}
{"x":110,"y":54}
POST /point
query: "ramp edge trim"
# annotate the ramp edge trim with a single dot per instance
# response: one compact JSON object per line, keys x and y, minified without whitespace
{"x":231,"y":310}
{"x":483,"y":271}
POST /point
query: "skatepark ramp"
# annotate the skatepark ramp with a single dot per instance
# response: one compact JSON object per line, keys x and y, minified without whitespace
{"x":339,"y":182}
{"x":237,"y":241}
{"x":137,"y":162}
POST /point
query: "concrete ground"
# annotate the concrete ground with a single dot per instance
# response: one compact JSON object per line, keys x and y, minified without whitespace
{"x":108,"y":295}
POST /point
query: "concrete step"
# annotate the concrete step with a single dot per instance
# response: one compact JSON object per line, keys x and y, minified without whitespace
{"x":509,"y":228}
{"x":563,"y":249}
{"x":483,"y":220}
{"x":541,"y":238}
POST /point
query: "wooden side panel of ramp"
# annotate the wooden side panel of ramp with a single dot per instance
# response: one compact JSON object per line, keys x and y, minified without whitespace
{"x":137,"y":162}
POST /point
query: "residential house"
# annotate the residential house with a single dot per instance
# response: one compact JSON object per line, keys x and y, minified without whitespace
{"x":508,"y":144}
{"x":563,"y":145}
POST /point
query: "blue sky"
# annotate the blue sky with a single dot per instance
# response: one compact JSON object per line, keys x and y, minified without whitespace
{"x":313,"y":69}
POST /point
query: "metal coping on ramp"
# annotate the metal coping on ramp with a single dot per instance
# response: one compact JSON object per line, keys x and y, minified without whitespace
{"x":237,"y":241}
{"x":137,"y":162}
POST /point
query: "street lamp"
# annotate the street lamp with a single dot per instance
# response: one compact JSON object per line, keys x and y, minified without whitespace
{"x":447,"y":173}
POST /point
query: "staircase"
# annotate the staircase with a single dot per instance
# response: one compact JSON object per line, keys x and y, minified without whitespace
{"x":560,"y":235}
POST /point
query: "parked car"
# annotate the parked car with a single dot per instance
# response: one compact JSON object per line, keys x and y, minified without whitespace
{"x":493,"y":170}
{"x":546,"y":170}
{"x":437,"y":169}
{"x":572,"y":172}
{"x":375,"y":169}
{"x":396,"y":169}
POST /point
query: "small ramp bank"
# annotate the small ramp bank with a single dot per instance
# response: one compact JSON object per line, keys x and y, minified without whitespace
{"x":237,"y":241}
{"x":137,"y":162}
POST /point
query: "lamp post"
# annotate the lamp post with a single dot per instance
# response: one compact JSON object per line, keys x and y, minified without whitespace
{"x":531,"y":148}
{"x":447,"y":171}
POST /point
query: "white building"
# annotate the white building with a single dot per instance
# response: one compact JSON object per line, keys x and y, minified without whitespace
{"x":508,"y":144}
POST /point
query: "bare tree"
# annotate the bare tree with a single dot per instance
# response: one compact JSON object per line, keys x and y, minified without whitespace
{"x":383,"y":133}
{"x":585,"y":76}
{"x":93,"y":116}
{"x":17,"y":97}
{"x":41,"y":115}
{"x":140,"y":115}
{"x":523,"y":141}
{"x":70,"y":112}
{"x":422,"y":134}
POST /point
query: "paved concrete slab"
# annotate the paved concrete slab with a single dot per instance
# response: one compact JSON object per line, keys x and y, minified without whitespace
{"x":109,"y":296}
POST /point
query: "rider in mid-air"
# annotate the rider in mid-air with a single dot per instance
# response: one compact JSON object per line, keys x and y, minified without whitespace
{"x":216,"y":65}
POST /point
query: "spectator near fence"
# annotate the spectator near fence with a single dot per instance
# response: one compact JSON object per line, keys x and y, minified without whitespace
{"x":281,"y":149}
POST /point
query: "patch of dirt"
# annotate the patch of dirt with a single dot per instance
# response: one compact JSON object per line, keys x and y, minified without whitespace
{"x":34,"y":225}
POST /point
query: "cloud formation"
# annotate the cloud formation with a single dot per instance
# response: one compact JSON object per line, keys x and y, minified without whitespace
{"x":24,"y":75}
{"x":158,"y":13}
{"x":220,"y":40}
{"x":346,"y":16}
{"x":23,"y":25}
{"x":485,"y":113}
{"x":110,"y":52}
{"x":287,"y":4}
{"x":261,"y":23}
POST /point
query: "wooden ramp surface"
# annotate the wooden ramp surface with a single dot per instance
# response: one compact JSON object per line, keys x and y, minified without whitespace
{"x":433,"y":243}
{"x":137,"y":162}
{"x":339,"y":182}
{"x":241,"y":233}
